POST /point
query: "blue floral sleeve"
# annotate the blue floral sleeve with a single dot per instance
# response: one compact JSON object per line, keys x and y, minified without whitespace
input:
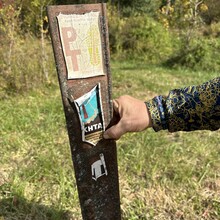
{"x":187,"y":109}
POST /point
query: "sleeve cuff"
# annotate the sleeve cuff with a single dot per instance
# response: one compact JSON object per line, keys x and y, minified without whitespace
{"x":157,"y":113}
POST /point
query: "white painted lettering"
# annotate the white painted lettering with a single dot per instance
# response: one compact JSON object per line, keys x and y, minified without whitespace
{"x":93,"y":127}
{"x":100,"y":126}
{"x":90,"y":128}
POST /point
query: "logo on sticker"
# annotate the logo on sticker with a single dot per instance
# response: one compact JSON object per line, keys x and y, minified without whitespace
{"x":91,"y":115}
{"x":99,"y":168}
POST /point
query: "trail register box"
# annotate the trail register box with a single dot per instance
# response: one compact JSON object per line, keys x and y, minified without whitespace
{"x":79,"y":36}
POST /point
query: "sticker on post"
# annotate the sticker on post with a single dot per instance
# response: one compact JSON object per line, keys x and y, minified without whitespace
{"x":91,"y":115}
{"x":81,"y":43}
{"x":99,"y":168}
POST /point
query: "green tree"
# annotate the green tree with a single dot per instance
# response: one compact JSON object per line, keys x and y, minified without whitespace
{"x":33,"y":15}
{"x":9,"y":38}
{"x":35,"y":19}
{"x":213,"y":12}
{"x":183,"y":14}
{"x":130,"y":8}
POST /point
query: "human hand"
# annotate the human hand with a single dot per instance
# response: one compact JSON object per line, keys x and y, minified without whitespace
{"x":131,"y":115}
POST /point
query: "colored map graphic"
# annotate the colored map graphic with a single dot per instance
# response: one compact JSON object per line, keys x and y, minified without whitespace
{"x":89,"y":108}
{"x":81,"y":43}
{"x":94,"y":53}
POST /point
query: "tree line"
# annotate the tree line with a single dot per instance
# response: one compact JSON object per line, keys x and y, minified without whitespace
{"x":175,"y":33}
{"x":32,"y":13}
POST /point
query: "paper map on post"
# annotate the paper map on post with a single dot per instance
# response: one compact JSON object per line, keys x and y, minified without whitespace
{"x":81,"y":44}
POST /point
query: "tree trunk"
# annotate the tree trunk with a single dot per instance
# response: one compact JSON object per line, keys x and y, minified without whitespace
{"x":43,"y":53}
{"x":168,"y":7}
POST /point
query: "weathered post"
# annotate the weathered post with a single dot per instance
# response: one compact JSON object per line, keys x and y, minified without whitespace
{"x":81,"y":48}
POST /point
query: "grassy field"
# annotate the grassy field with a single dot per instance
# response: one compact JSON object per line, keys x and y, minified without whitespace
{"x":162,"y":175}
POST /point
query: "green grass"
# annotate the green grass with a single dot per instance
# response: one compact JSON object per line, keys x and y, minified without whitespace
{"x":162,"y":175}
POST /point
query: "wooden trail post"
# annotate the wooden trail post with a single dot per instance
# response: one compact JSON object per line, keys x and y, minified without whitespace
{"x":81,"y":48}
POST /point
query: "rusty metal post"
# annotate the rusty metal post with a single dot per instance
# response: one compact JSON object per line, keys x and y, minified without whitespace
{"x":94,"y":158}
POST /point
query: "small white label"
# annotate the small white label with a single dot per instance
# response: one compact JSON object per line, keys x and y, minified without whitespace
{"x":99,"y":168}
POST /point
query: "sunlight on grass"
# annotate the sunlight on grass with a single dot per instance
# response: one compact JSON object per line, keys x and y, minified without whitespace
{"x":162,"y":175}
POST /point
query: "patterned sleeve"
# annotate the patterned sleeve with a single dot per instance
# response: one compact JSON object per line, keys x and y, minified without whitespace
{"x":188,"y":109}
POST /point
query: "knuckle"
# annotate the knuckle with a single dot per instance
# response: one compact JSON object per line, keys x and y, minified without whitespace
{"x":113,"y":134}
{"x":127,"y":124}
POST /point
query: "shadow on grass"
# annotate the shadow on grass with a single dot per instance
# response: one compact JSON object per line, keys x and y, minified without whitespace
{"x":18,"y":208}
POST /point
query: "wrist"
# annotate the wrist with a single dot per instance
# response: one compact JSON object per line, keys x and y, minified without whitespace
{"x":148,"y":116}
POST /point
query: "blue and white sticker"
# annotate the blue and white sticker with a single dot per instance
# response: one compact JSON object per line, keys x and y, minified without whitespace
{"x":90,"y":112}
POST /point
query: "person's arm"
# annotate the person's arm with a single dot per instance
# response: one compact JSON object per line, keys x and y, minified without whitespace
{"x":187,"y":109}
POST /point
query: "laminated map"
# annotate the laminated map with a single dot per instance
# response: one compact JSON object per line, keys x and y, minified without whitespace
{"x":81,"y":44}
